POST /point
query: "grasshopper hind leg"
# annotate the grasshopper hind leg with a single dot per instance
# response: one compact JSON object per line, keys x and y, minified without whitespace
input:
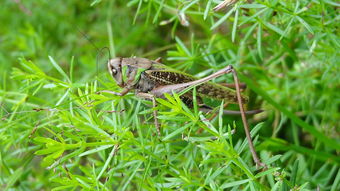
{"x":245,"y":123}
{"x":159,"y":91}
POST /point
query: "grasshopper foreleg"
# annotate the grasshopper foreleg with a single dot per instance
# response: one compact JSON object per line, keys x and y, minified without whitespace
{"x":158,"y":92}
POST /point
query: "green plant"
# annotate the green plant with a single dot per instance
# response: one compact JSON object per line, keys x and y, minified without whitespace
{"x":57,"y":133}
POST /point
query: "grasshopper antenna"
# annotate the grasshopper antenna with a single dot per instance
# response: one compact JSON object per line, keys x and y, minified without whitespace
{"x":87,"y":38}
{"x":99,"y":50}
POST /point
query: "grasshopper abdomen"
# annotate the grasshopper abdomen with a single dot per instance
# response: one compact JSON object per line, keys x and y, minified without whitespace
{"x":207,"y":89}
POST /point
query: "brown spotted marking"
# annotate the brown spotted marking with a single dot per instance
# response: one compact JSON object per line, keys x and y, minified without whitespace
{"x":207,"y":89}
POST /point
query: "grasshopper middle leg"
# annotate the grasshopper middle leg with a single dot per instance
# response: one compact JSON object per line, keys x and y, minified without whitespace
{"x":141,"y":95}
{"x":155,"y":113}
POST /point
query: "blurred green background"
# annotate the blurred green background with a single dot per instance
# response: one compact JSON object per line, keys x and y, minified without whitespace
{"x":57,"y":133}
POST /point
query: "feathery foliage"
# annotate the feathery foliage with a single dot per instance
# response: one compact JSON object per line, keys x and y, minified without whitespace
{"x":56,"y":133}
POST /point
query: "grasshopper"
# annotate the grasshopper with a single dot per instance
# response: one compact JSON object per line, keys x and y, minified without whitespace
{"x":151,"y":80}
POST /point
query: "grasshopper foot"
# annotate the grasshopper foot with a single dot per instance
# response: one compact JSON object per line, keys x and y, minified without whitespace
{"x":259,"y":165}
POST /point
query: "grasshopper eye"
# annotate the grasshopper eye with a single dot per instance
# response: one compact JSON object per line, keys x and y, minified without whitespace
{"x":114,"y":71}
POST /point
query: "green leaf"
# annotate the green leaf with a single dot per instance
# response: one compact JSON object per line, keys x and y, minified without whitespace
{"x":233,"y":33}
{"x":221,"y":20}
{"x":252,"y":6}
{"x":232,"y":184}
{"x":14,"y":178}
{"x":96,"y":150}
{"x":176,"y":132}
{"x":274,"y":28}
{"x":61,"y":71}
{"x":305,"y":24}
{"x":269,"y":171}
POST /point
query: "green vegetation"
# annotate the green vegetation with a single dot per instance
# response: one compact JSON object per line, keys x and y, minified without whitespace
{"x":57,"y":133}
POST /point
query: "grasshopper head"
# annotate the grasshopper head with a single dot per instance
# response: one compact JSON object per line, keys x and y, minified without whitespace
{"x":115,"y":68}
{"x":126,"y":71}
